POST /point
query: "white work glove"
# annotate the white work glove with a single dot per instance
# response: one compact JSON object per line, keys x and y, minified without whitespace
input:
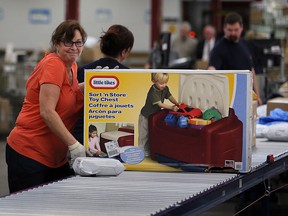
{"x":76,"y":150}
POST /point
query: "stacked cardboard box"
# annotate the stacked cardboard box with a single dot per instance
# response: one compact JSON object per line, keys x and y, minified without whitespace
{"x":279,"y":102}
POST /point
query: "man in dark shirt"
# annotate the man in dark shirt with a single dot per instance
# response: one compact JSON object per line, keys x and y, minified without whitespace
{"x":232,"y":52}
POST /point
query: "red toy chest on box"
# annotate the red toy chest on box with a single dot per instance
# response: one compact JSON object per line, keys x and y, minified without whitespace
{"x":124,"y":137}
{"x":210,"y":146}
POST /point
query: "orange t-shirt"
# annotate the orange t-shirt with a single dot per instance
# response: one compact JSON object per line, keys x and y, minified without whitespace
{"x":31,"y":137}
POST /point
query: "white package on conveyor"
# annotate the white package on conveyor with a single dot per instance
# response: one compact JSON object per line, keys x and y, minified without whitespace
{"x":278,"y":132}
{"x":87,"y":166}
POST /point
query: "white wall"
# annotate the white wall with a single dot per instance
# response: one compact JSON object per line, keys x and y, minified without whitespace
{"x":171,"y":17}
{"x":16,"y":27}
{"x":95,"y":16}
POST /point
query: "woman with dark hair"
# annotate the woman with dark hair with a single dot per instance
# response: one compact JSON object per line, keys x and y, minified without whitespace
{"x":115,"y":44}
{"x":37,"y":147}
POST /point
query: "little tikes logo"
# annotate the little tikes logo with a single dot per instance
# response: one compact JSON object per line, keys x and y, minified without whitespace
{"x":104,"y":82}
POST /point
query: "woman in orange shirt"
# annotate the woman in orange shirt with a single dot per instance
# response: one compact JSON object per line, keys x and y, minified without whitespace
{"x":36,"y":150}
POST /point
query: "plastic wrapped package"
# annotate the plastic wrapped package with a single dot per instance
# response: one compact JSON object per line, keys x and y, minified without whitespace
{"x":90,"y":166}
{"x":278,"y":132}
{"x":261,"y":130}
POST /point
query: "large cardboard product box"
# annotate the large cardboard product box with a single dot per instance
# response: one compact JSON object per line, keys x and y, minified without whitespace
{"x":279,"y":102}
{"x":211,"y":128}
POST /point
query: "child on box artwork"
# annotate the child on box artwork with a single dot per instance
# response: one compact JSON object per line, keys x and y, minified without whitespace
{"x":158,"y":92}
{"x":94,"y":142}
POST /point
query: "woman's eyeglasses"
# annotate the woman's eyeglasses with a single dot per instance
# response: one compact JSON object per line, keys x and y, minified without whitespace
{"x":70,"y":43}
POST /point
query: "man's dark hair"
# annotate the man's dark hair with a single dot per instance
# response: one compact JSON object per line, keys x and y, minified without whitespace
{"x":232,"y":18}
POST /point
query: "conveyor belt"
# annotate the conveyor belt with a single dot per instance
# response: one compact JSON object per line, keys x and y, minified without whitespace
{"x":145,"y":193}
{"x":264,"y":148}
{"x":131,"y":193}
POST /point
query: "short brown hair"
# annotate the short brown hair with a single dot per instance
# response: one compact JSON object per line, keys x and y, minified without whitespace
{"x":65,"y":31}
